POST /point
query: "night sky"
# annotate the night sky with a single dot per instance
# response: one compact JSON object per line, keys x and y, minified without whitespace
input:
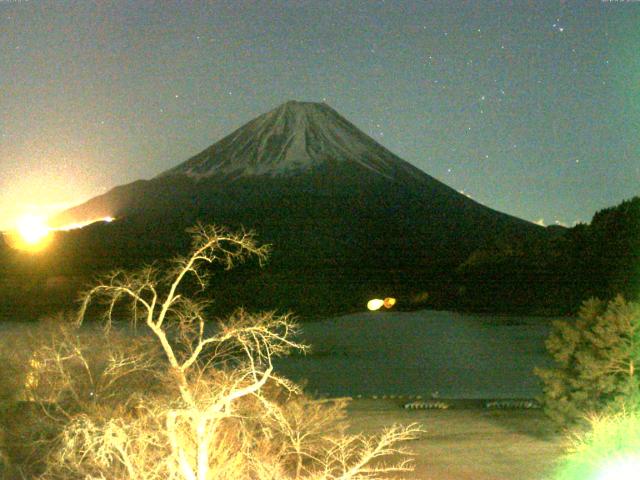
{"x":531,"y":108}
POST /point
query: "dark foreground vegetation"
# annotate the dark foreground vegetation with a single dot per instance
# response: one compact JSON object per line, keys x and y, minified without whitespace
{"x":600,"y":259}
{"x":593,"y":390}
{"x":176,"y":402}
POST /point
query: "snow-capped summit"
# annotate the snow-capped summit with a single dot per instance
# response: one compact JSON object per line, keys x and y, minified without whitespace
{"x":290,"y":139}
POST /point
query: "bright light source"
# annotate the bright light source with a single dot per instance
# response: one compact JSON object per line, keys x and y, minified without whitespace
{"x":375,"y":304}
{"x":389,"y":302}
{"x":31,"y":233}
{"x":32,"y":229}
{"x":625,"y":468}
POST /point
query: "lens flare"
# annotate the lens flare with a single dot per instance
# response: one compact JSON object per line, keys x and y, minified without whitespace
{"x":626,"y":468}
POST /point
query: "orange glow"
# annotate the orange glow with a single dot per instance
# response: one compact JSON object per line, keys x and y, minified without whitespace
{"x":389,"y":302}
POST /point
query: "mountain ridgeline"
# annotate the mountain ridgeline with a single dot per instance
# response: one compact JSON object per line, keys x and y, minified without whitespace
{"x":347,"y":220}
{"x":308,"y":181}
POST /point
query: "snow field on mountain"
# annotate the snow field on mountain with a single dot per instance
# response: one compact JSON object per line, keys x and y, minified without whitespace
{"x":292,"y":138}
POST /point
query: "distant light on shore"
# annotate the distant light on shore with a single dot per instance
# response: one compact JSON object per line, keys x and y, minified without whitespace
{"x":389,"y":302}
{"x":376,"y":303}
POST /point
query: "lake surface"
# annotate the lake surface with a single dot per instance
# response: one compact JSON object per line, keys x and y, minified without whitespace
{"x":428,"y":353}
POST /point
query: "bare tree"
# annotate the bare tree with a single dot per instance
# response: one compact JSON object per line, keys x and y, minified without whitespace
{"x":231,"y":416}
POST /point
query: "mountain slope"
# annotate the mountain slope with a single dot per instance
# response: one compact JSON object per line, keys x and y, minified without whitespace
{"x":342,"y":212}
{"x":298,"y":149}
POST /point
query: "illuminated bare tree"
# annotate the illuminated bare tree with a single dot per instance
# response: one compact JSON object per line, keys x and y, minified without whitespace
{"x":227,"y":418}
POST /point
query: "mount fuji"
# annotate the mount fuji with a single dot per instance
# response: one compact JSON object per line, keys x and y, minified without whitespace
{"x":292,"y":139}
{"x":346,"y":217}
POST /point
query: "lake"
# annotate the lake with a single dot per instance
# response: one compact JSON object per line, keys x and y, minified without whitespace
{"x":429,"y":353}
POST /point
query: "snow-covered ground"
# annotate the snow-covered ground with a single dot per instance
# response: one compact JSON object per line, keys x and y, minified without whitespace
{"x":426,"y":353}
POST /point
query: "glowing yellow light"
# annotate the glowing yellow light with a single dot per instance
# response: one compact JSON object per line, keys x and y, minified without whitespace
{"x":389,"y":302}
{"x":33,"y":234}
{"x":375,"y":304}
{"x":32,"y":229}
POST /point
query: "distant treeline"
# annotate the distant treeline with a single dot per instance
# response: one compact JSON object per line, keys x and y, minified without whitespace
{"x":542,"y":275}
{"x":599,"y":259}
